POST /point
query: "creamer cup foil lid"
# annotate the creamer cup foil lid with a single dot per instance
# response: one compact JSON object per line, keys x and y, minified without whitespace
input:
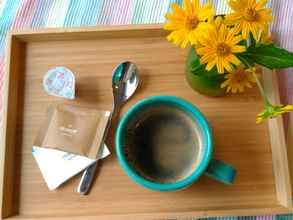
{"x":60,"y":81}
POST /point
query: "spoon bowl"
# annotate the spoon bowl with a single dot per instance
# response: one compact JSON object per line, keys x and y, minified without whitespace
{"x":125,"y":81}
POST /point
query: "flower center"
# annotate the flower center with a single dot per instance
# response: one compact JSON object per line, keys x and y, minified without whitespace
{"x":250,"y":14}
{"x":223,"y":49}
{"x":240,"y":76}
{"x":191,"y":22}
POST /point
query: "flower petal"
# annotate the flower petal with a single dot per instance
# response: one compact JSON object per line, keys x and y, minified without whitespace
{"x":177,"y":37}
{"x":187,"y":7}
{"x":233,"y":17}
{"x":207,"y":57}
{"x":225,"y":83}
{"x":238,"y":49}
{"x":174,"y":17}
{"x":260,"y":4}
{"x":241,"y":88}
{"x":234,"y":90}
{"x":251,"y":3}
{"x":205,"y":12}
{"x":247,"y":84}
{"x":172,"y":26}
{"x":231,"y":36}
{"x":210,"y":65}
{"x":233,"y":59}
{"x":288,"y":108}
{"x":259,"y":120}
{"x":235,"y":5}
{"x":245,"y":31}
{"x":222,"y":33}
{"x":201,"y":50}
{"x":264,"y":15}
{"x":218,"y":21}
{"x":237,"y":28}
{"x":177,"y":9}
{"x":228,"y":66}
{"x":195,"y":4}
{"x":220,"y":66}
{"x":236,"y":40}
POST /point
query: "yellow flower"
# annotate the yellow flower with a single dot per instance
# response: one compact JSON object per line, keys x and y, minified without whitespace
{"x":239,"y":79}
{"x":219,"y":48}
{"x":272,"y":111}
{"x":189,"y":23}
{"x":249,"y":16}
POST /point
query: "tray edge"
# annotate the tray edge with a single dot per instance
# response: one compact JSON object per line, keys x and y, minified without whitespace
{"x":283,"y":186}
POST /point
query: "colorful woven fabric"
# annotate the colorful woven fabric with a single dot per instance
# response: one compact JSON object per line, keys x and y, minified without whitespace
{"x":17,"y":15}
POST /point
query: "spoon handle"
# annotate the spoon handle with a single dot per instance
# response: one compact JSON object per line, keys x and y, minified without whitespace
{"x":86,"y":179}
{"x":89,"y":173}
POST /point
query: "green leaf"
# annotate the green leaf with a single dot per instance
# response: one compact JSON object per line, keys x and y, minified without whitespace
{"x":252,"y":41}
{"x":195,"y":64}
{"x":243,"y":43}
{"x":198,"y":68}
{"x":269,"y":56}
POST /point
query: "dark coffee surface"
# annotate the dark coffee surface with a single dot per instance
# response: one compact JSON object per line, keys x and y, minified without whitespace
{"x":163,"y":144}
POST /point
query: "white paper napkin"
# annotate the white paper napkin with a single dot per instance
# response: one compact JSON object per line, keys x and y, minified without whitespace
{"x":58,"y":166}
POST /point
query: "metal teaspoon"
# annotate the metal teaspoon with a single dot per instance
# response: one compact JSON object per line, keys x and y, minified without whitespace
{"x":125,"y":81}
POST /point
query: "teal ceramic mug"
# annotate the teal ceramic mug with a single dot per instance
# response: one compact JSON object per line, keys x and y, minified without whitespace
{"x":164,"y":143}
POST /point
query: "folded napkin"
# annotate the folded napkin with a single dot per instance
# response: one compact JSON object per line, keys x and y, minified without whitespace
{"x":58,"y":166}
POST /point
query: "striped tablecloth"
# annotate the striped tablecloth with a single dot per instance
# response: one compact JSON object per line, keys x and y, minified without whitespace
{"x":24,"y":14}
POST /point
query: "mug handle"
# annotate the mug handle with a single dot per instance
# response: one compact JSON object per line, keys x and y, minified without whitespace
{"x":221,"y":171}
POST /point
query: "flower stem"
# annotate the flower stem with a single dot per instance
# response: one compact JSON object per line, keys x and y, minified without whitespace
{"x":262,"y":92}
{"x":259,"y":85}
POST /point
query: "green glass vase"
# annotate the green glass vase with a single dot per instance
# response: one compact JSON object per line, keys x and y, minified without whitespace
{"x":206,"y":84}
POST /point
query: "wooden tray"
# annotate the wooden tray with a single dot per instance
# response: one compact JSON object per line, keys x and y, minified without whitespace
{"x":257,"y":151}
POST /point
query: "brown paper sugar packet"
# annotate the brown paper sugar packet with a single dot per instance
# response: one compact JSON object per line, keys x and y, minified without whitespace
{"x":73,"y":129}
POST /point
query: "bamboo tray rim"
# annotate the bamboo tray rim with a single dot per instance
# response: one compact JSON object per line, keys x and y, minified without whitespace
{"x":98,"y":28}
{"x":17,"y":39}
